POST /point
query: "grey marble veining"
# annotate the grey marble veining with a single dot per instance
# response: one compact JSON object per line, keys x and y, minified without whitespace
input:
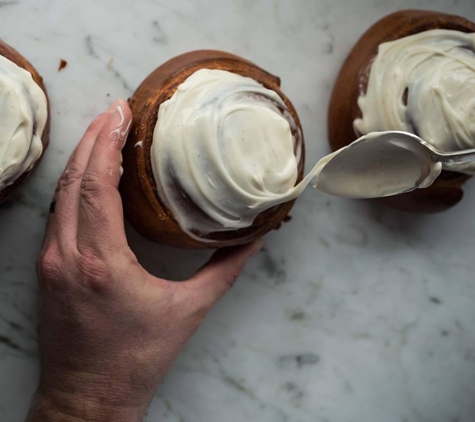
{"x":352,"y":312}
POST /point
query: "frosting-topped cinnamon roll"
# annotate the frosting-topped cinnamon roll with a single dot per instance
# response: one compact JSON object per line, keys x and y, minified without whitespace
{"x":413,"y":71}
{"x":224,"y":150}
{"x":24,"y":113}
{"x":24,"y":119}
{"x":424,"y":84}
{"x":216,"y":154}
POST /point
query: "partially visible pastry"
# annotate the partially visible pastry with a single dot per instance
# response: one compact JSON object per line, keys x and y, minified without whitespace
{"x":412,"y":71}
{"x":24,"y":113}
{"x":214,"y":155}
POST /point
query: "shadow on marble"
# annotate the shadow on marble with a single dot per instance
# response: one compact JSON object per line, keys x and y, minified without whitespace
{"x":164,"y":261}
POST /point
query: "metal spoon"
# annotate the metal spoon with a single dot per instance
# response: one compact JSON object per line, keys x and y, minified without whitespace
{"x":385,"y":163}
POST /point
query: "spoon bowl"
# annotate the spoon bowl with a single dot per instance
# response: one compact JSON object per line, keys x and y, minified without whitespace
{"x":380,"y":164}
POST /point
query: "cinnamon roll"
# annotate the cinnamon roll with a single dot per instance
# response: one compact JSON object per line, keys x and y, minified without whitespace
{"x":24,"y":131}
{"x":412,"y":71}
{"x":215,"y":155}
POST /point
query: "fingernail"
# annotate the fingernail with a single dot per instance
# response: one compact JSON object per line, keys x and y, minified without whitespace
{"x":257,"y":246}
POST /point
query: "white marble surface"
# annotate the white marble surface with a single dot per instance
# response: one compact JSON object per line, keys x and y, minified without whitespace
{"x":352,"y":312}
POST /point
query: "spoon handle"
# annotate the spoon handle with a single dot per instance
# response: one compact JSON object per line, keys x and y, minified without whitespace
{"x":460,"y":157}
{"x":458,"y":161}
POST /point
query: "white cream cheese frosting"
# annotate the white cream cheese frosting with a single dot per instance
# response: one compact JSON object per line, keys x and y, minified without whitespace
{"x":229,"y":147}
{"x":225,"y":149}
{"x":24,"y":112}
{"x":424,"y":84}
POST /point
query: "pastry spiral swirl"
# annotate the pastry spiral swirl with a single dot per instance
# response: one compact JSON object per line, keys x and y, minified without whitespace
{"x":224,"y":150}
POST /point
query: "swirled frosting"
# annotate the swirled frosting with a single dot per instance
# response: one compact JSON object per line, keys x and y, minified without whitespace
{"x":224,"y":150}
{"x":23,"y":111}
{"x":424,"y":84}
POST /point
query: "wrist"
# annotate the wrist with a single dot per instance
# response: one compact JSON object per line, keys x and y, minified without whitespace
{"x":44,"y":408}
{"x":78,"y":409}
{"x":84,"y":397}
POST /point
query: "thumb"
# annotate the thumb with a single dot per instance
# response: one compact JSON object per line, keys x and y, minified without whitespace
{"x":218,"y":275}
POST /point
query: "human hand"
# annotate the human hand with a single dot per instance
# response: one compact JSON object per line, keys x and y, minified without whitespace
{"x":109,"y":331}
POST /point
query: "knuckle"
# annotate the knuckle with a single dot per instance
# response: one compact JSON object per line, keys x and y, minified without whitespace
{"x":231,"y":278}
{"x":85,"y":269}
{"x":93,"y":187}
{"x":94,"y":271}
{"x":49,"y":265}
{"x":71,"y":176}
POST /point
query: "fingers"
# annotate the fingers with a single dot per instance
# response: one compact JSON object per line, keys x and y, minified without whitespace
{"x":64,"y":210}
{"x":100,"y":206}
{"x":212,"y":281}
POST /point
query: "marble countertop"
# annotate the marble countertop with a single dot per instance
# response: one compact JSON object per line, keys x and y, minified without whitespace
{"x":352,"y":312}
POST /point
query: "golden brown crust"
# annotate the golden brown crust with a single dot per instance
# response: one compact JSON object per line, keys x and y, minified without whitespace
{"x":353,"y":80}
{"x":13,"y":55}
{"x":142,"y":204}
